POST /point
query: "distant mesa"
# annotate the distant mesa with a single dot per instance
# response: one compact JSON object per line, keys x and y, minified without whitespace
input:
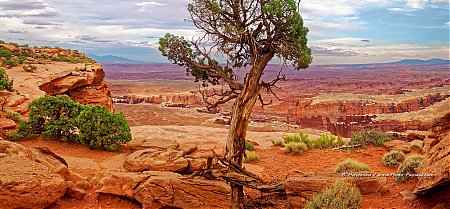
{"x":114,"y":59}
{"x":419,"y":61}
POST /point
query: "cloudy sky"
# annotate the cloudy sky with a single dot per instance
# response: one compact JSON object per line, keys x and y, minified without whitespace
{"x":341,"y":31}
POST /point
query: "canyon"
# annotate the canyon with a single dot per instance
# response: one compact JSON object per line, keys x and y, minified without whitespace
{"x":339,"y":99}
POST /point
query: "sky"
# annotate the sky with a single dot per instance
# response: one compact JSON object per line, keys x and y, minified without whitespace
{"x":341,"y":31}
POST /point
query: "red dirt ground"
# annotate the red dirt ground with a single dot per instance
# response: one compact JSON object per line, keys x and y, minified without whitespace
{"x":313,"y":161}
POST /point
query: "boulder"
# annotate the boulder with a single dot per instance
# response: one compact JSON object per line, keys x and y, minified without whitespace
{"x":121,"y":183}
{"x":153,"y":160}
{"x":7,"y":123}
{"x":167,"y":189}
{"x":28,"y":184}
{"x":437,"y":161}
{"x":398,"y":145}
{"x":415,"y":136}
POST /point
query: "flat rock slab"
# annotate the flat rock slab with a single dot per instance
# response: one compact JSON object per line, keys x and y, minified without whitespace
{"x":28,"y":184}
{"x":154,"y":160}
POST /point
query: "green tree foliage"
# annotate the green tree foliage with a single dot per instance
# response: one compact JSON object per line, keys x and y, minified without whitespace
{"x":6,"y":54}
{"x":100,"y":128}
{"x":5,"y":82}
{"x":60,"y":118}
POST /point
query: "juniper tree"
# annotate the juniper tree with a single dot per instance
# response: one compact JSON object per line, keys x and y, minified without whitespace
{"x":249,"y":34}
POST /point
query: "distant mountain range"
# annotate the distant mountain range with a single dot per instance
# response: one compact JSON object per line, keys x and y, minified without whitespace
{"x":418,"y":61}
{"x":117,"y":59}
{"x":113,"y":59}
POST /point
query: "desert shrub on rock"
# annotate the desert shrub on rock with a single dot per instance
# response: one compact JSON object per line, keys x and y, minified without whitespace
{"x":351,"y":165}
{"x":340,"y":195}
{"x":15,"y":116}
{"x":374,"y":137}
{"x":417,"y":144}
{"x":393,"y":158}
{"x":60,"y":118}
{"x":411,"y":165}
{"x":29,"y":68}
{"x":5,"y":82}
{"x":100,"y":128}
{"x":300,"y":137}
{"x":295,"y":148}
{"x":251,"y":156}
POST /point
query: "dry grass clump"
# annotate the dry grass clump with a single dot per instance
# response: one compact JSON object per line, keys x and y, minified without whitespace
{"x":278,"y":143}
{"x":417,"y":145}
{"x":351,"y":165}
{"x":393,"y":158}
{"x":295,"y":148}
{"x":324,"y":141}
{"x":411,"y":165}
{"x":251,"y":156}
{"x":340,"y":195}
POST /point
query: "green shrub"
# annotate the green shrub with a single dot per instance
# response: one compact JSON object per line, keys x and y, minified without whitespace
{"x":60,"y":118}
{"x":11,"y":62}
{"x":295,"y":148}
{"x":340,"y":195}
{"x":249,"y":146}
{"x":369,"y":137}
{"x":251,"y":156}
{"x":5,"y":82}
{"x":29,"y":68}
{"x":278,"y":142}
{"x":393,"y":158}
{"x":15,"y":116}
{"x":100,"y":128}
{"x":6,"y":54}
{"x":411,"y":165}
{"x":351,"y":165}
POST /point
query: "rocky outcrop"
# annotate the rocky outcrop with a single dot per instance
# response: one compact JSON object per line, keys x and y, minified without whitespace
{"x":437,"y":161}
{"x":173,"y":100}
{"x":82,"y":82}
{"x":28,"y":184}
{"x":30,"y":178}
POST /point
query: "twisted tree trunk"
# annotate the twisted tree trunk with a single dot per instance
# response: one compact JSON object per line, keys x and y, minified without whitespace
{"x":241,"y":111}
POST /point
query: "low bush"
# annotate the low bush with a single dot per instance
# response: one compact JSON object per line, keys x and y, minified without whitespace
{"x":278,"y":142}
{"x":393,"y":158}
{"x":417,"y":144}
{"x":411,"y":165}
{"x":251,"y":156}
{"x":249,"y":146}
{"x":351,"y":165}
{"x":60,"y":118}
{"x":29,"y":68}
{"x":295,"y":148}
{"x":5,"y":82}
{"x":15,"y":116}
{"x":369,"y":137}
{"x":340,"y":195}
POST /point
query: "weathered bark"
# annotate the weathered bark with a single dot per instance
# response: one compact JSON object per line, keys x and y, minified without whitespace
{"x":241,"y":111}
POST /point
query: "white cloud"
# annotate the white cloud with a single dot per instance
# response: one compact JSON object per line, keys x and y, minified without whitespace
{"x":416,"y":4}
{"x":144,"y":6}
